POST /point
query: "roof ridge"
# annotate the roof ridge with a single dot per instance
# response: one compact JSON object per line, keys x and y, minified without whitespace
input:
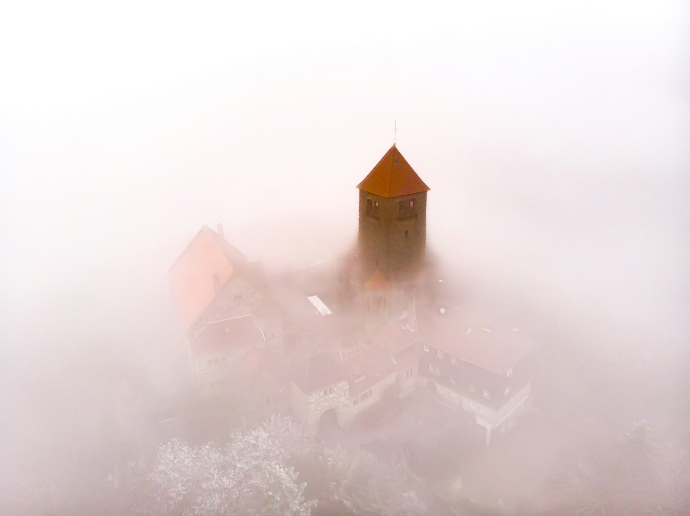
{"x":390,"y":170}
{"x":186,"y":248}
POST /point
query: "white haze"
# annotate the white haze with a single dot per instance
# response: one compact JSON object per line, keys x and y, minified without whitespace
{"x":555,"y":140}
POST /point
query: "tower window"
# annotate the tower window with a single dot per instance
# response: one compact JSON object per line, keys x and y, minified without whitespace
{"x":406,"y":233}
{"x":372,"y":208}
{"x":406,"y":209}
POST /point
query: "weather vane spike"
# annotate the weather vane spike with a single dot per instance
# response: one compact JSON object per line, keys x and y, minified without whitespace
{"x":395,"y":133}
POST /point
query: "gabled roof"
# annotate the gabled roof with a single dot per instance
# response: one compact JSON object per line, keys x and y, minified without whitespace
{"x":368,"y":367}
{"x":268,"y":309}
{"x":377,"y":282}
{"x":206,"y":264}
{"x":475,"y":340}
{"x":318,"y":372}
{"x":262,"y":368}
{"x":392,"y":177}
{"x":234,"y":333}
{"x":395,"y":337}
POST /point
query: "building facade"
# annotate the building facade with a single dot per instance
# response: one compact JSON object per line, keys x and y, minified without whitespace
{"x":479,"y":367}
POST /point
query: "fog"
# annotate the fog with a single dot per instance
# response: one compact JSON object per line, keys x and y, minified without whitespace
{"x":554,"y":140}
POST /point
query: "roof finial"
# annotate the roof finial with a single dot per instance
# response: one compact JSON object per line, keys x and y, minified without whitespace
{"x":395,"y":132}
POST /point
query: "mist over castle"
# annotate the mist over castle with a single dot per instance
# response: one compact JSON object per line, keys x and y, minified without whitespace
{"x":312,"y":259}
{"x":356,"y":330}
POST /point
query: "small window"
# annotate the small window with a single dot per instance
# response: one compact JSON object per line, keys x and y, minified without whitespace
{"x":426,"y":348}
{"x":473,"y":404}
{"x":453,"y":360}
{"x":440,"y":354}
{"x":507,"y":389}
{"x":359,"y":377}
{"x":487,"y":394}
{"x":509,"y":372}
{"x":452,"y":379}
{"x":406,"y":232}
{"x":365,"y":395}
{"x":406,"y":209}
{"x":434,"y":370}
{"x":372,"y":208}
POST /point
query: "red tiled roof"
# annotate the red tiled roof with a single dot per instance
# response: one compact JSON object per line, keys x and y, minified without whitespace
{"x":260,"y":366}
{"x":238,"y":332}
{"x":493,"y":348}
{"x":392,"y":177}
{"x":269,"y":309}
{"x":207,"y":256}
{"x":374,"y":362}
{"x":395,"y":337}
{"x":378,"y":282}
{"x":409,"y":358}
{"x":318,"y":372}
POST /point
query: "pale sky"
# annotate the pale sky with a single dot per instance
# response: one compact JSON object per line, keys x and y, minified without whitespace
{"x":554,"y":139}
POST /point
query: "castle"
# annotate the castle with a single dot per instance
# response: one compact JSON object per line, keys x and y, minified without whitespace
{"x":331,"y":342}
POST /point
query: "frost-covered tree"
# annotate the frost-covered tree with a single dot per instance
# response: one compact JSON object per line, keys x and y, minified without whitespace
{"x":250,"y":475}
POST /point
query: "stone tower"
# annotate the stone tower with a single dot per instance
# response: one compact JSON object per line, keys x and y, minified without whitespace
{"x":392,"y":219}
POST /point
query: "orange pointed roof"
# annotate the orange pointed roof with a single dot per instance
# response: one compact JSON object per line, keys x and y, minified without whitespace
{"x":377,"y":282}
{"x":392,"y":177}
{"x":207,"y":260}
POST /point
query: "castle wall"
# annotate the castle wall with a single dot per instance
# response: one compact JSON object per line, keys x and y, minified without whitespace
{"x":308,"y":408}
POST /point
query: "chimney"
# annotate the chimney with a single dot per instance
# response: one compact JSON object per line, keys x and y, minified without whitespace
{"x":220,"y":231}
